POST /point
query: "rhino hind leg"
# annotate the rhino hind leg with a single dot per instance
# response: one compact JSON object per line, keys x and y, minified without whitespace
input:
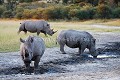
{"x":62,"y":48}
{"x":37,"y":60}
{"x":81,"y":49}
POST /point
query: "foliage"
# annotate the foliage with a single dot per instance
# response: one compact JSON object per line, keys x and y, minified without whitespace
{"x":7,"y":14}
{"x":2,"y":9}
{"x":116,"y":12}
{"x":103,"y":11}
{"x":70,"y":10}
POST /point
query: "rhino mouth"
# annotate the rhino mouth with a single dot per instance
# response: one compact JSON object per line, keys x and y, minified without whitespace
{"x":27,"y":61}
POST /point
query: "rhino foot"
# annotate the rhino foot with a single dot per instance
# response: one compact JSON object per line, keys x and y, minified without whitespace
{"x":94,"y":56}
{"x":63,"y":53}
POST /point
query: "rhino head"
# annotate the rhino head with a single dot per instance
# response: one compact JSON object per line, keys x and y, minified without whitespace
{"x":27,"y":50}
{"x":93,"y":50}
{"x":47,"y":30}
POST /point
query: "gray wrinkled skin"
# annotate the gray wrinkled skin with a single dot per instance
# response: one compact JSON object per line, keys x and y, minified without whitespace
{"x":32,"y":49}
{"x":36,"y":26}
{"x":77,"y":39}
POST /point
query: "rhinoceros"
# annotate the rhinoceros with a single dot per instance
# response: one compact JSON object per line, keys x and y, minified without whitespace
{"x":32,"y":49}
{"x":77,"y":39}
{"x":36,"y":26}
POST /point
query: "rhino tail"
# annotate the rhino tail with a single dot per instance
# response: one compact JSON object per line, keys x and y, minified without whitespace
{"x":56,"y":41}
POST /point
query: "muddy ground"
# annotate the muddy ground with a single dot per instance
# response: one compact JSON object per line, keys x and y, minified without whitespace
{"x":70,"y":66}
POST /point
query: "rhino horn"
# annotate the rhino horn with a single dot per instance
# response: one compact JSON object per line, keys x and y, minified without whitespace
{"x":55,"y":31}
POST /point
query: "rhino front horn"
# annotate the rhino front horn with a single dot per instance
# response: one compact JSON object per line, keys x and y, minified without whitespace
{"x":55,"y":31}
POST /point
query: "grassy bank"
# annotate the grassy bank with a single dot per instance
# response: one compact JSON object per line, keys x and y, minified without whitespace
{"x":9,"y":39}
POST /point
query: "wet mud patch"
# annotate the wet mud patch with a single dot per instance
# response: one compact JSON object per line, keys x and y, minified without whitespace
{"x":111,"y":48}
{"x":54,"y":66}
{"x":64,"y":63}
{"x":21,"y":70}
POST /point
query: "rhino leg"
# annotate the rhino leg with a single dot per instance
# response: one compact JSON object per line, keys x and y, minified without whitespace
{"x":27,"y":65}
{"x":37,"y":60}
{"x":81,"y":49}
{"x":38,"y":32}
{"x":25,"y":32}
{"x":62,"y":48}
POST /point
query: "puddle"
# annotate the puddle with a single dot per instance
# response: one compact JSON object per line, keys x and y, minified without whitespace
{"x":107,"y":55}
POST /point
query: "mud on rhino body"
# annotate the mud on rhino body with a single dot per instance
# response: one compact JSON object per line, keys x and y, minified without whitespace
{"x":77,"y":39}
{"x":32,"y":49}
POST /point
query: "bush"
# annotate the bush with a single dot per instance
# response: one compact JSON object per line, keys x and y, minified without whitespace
{"x":116,"y":12}
{"x":82,"y":14}
{"x":55,"y":13}
{"x":2,"y":9}
{"x":73,"y":13}
{"x":7,"y":14}
{"x":48,"y":13}
{"x":103,"y":11}
{"x":90,"y":10}
{"x":18,"y":15}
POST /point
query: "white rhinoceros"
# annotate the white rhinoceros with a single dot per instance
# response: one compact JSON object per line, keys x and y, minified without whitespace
{"x":77,"y":39}
{"x":36,"y":26}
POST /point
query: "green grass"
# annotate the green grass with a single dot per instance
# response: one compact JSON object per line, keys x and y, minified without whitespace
{"x":9,"y":39}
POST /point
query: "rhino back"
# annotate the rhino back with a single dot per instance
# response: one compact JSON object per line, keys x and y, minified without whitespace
{"x":73,"y":38}
{"x":32,"y":26}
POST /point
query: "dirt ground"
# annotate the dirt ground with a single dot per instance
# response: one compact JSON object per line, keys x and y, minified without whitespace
{"x":70,"y":66}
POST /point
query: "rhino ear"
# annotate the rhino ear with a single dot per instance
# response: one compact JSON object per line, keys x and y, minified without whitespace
{"x":21,"y":40}
{"x":31,"y":40}
{"x":55,"y":31}
{"x":94,"y":40}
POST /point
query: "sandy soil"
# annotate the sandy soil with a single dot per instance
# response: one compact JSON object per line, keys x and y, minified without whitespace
{"x":70,"y":66}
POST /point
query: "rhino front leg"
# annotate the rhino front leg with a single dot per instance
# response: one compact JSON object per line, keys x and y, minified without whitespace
{"x":93,"y":52}
{"x":62,"y":48}
{"x":27,"y":66}
{"x":38,"y":32}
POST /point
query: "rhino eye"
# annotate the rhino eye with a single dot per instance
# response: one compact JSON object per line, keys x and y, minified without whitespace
{"x":47,"y":24}
{"x":26,"y":54}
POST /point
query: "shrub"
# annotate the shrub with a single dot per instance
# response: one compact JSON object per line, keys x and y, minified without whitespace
{"x":103,"y":11}
{"x":7,"y":14}
{"x":90,"y":10}
{"x":19,"y":15}
{"x":116,"y":12}
{"x":27,"y":14}
{"x":47,"y":13}
{"x":2,"y":9}
{"x":73,"y":13}
{"x":55,"y":13}
{"x":82,"y":14}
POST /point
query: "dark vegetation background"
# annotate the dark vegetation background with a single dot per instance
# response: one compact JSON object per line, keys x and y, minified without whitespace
{"x":60,"y":9}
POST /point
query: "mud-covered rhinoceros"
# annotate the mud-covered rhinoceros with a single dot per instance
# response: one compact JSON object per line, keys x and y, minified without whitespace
{"x":77,"y":39}
{"x":32,"y":49}
{"x":36,"y":26}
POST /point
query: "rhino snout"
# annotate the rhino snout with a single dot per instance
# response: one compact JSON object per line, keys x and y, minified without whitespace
{"x":27,"y":60}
